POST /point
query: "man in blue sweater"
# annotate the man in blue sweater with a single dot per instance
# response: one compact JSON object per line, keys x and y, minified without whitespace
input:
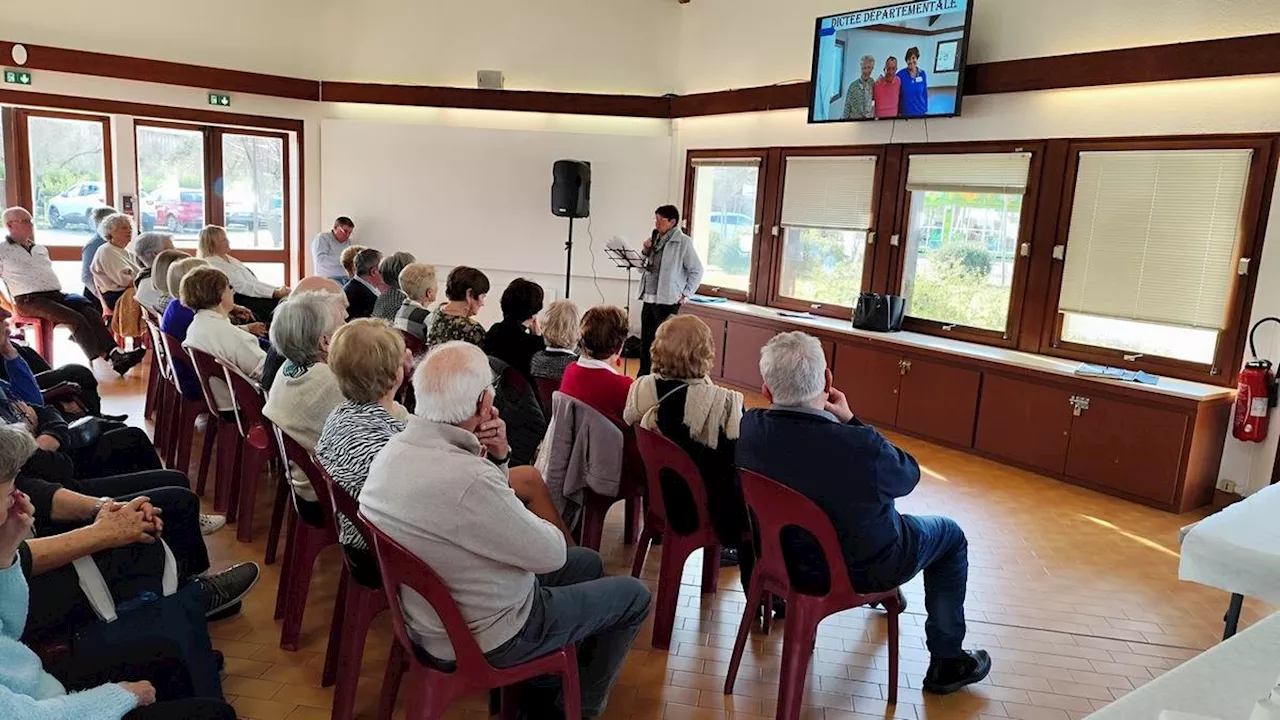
{"x":810,"y":441}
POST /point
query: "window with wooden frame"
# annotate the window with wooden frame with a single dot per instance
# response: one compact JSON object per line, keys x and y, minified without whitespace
{"x":65,"y":175}
{"x":723,"y":204}
{"x":826,"y":219}
{"x":965,"y":239}
{"x":1153,"y":254}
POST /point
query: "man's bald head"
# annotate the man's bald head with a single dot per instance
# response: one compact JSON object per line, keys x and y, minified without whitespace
{"x":453,"y":383}
{"x":316,"y":283}
{"x":17,"y":224}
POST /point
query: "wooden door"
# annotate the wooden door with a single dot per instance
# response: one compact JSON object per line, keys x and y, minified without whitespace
{"x":1127,"y":447}
{"x":1024,"y":422}
{"x":939,"y":401}
{"x":870,"y":379}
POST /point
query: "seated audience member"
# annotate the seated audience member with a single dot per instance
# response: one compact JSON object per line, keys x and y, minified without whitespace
{"x":96,"y":216}
{"x":390,"y":299}
{"x":810,"y":441}
{"x":149,"y":249}
{"x":88,"y":401}
{"x":177,"y":318}
{"x":369,"y":361}
{"x":27,"y":271}
{"x":306,"y":391}
{"x":250,"y":292}
{"x":348,"y":261}
{"x":594,"y":378}
{"x":418,"y":283}
{"x":465,"y":290}
{"x":313,"y":283}
{"x":364,"y":288}
{"x":90,"y":687}
{"x":522,"y":592}
{"x":679,"y":401}
{"x":113,"y":270}
{"x":560,"y":332}
{"x":327,"y":250}
{"x":516,"y":338}
{"x":207,"y":291}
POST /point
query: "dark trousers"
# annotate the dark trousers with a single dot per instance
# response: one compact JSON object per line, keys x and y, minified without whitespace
{"x":84,"y":318}
{"x":152,"y":659}
{"x":262,"y":308}
{"x":577,"y":604}
{"x":943,"y":556}
{"x":651,"y":316}
{"x":111,"y":297}
{"x":58,"y":606}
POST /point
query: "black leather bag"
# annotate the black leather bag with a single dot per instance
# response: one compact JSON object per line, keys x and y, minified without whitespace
{"x":881,"y":313}
{"x":86,"y":431}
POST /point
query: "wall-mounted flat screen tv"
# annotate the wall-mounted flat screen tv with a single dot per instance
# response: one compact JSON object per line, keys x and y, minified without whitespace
{"x":904,"y":60}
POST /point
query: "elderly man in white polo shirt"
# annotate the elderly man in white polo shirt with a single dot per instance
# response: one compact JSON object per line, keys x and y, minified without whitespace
{"x":27,"y":271}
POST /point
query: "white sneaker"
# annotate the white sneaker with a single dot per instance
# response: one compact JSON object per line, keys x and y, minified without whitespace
{"x":210,"y":524}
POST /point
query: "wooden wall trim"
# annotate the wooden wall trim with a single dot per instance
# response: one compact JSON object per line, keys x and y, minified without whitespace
{"x":520,"y":100}
{"x":80,"y":62}
{"x":23,"y":98}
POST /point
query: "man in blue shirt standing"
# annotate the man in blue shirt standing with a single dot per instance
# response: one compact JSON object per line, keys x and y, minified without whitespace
{"x":915,"y":86}
{"x":810,"y":441}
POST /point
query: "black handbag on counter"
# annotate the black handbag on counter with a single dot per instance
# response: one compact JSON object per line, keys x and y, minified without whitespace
{"x":881,"y":313}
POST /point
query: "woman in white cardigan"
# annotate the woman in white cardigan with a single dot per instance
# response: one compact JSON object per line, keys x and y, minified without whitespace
{"x":113,"y":271}
{"x":250,"y":292}
{"x":207,"y":291}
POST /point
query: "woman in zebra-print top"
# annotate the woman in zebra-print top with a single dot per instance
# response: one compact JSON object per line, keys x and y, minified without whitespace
{"x":369,"y":360}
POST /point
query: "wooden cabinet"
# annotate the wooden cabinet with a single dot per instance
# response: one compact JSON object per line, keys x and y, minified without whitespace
{"x":1026,"y":422}
{"x":938,"y":400}
{"x":718,"y":329}
{"x":1127,"y":447}
{"x":870,"y":379}
{"x":742,"y":343}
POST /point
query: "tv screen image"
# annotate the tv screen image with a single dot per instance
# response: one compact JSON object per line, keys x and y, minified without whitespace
{"x":897,"y":61}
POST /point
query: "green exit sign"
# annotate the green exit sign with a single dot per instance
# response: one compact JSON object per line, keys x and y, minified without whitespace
{"x":17,"y":77}
{"x":219,"y":100}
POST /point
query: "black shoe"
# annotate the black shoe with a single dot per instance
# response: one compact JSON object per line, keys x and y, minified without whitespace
{"x":225,"y":589}
{"x":123,"y":361}
{"x":112,"y":418}
{"x":728,"y":557}
{"x":947,"y":676}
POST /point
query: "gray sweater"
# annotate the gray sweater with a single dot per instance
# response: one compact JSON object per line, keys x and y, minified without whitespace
{"x":430,"y":490}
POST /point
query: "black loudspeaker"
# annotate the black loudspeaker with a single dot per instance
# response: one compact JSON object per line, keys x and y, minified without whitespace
{"x":571,"y":189}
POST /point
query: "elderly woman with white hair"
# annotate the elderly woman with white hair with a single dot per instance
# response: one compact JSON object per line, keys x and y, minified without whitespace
{"x":390,"y":300}
{"x":113,"y":270}
{"x":146,"y":249}
{"x":305,"y":390}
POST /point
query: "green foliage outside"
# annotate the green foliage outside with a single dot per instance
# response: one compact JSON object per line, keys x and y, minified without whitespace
{"x":952,"y":286}
{"x":823,"y":265}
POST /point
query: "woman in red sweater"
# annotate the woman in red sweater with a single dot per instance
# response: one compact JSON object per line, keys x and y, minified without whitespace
{"x":594,"y":378}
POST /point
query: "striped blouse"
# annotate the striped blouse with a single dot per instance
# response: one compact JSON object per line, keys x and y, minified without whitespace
{"x":352,"y":436}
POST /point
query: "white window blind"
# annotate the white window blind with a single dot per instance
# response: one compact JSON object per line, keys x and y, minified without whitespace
{"x":1153,"y":235}
{"x":969,"y":172}
{"x":833,"y":193}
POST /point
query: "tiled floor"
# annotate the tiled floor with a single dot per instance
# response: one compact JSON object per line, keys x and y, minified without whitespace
{"x":1075,"y":594}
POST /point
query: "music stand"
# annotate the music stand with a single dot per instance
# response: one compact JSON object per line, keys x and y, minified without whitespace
{"x":631,"y":260}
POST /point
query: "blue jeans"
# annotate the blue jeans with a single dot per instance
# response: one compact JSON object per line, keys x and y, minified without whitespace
{"x":577,"y":604}
{"x":943,"y":555}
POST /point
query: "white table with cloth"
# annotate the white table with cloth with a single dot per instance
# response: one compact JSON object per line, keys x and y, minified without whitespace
{"x":1237,"y":550}
{"x":1222,"y":682}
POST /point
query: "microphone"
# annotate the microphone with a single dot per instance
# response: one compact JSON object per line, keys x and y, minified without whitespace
{"x":654,"y":235}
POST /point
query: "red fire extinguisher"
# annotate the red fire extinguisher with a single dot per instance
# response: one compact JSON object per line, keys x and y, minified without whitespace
{"x":1255,"y":394}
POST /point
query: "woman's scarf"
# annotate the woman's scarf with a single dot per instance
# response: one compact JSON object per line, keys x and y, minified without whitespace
{"x":708,"y":408}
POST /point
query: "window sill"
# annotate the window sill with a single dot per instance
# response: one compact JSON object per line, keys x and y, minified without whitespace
{"x":1040,"y":363}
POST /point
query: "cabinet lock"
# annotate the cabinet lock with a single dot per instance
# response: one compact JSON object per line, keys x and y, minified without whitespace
{"x":1079,"y":404}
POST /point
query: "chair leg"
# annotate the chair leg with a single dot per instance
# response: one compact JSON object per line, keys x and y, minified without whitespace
{"x":397,"y":664}
{"x":253,"y":460}
{"x":206,"y":454}
{"x":308,"y":548}
{"x":290,"y":544}
{"x":509,"y":703}
{"x":797,"y":648}
{"x":164,"y":422}
{"x":892,"y":606}
{"x":278,"y":507}
{"x":710,"y":568}
{"x":237,"y":475}
{"x":766,"y":613}
{"x":642,"y":548}
{"x":228,"y":449}
{"x":664,"y":613}
{"x":180,"y":436}
{"x":340,"y":615}
{"x":572,"y":686}
{"x":364,"y":604}
{"x":630,"y":520}
{"x":592,"y":526}
{"x":755,"y":595}
{"x":153,"y":386}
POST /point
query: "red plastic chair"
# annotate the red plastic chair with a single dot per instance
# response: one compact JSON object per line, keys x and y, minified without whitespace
{"x":631,"y":487}
{"x":357,"y":604}
{"x":158,"y":403}
{"x":257,"y":447}
{"x":546,"y":388}
{"x":43,"y":329}
{"x":663,"y":458}
{"x":303,"y":545}
{"x":225,"y":495}
{"x":185,"y":411}
{"x":432,"y":690}
{"x":775,"y":507}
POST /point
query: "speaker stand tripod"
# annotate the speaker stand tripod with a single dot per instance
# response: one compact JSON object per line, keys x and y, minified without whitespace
{"x":568,"y":259}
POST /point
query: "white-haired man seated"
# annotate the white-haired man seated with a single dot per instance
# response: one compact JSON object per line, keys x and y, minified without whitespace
{"x":810,"y":441}
{"x":441,"y":489}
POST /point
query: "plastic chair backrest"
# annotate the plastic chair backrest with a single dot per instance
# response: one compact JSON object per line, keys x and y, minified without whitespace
{"x":158,"y":346}
{"x":340,"y":501}
{"x":546,"y":389}
{"x":661,"y":454}
{"x":775,"y":507}
{"x":207,"y":368}
{"x":246,"y":397}
{"x":177,"y":355}
{"x":293,"y":453}
{"x":400,"y":568}
{"x":415,"y":344}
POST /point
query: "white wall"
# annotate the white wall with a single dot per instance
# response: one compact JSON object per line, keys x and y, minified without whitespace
{"x":742,"y":43}
{"x":1246,"y":104}
{"x":480,"y":196}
